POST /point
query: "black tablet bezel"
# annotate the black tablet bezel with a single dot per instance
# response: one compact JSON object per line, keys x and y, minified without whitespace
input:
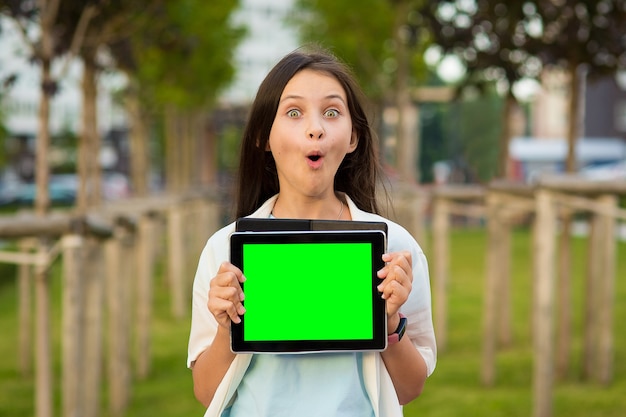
{"x":255,"y":224}
{"x":379,"y":322}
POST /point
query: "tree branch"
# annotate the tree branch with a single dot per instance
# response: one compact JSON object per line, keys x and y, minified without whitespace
{"x":89,"y":13}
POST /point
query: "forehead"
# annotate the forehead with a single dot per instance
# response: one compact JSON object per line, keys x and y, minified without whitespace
{"x":308,"y":82}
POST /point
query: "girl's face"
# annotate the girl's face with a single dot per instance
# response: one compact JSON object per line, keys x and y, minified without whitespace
{"x":311,"y":134}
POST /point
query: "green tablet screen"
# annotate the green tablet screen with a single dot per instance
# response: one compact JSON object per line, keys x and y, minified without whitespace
{"x":310,"y":291}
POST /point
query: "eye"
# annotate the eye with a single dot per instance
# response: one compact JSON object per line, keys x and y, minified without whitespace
{"x":331,"y":113}
{"x":293,"y":113}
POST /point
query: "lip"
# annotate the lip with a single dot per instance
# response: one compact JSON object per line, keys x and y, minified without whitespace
{"x":315,"y":159}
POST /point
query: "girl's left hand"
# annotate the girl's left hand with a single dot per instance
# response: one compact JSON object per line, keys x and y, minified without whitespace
{"x":397,"y":276}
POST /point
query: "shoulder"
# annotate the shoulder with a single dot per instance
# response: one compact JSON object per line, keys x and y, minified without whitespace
{"x":222,"y":234}
{"x":398,"y":237}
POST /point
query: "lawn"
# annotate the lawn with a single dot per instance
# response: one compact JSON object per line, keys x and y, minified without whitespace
{"x":454,"y":389}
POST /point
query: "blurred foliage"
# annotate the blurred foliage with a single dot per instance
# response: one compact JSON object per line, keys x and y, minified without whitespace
{"x":181,"y":52}
{"x":506,"y":41}
{"x":510,"y":40}
{"x":478,"y":131}
{"x":229,"y":148}
{"x":464,"y":134}
{"x":367,"y":36}
{"x":65,"y":144}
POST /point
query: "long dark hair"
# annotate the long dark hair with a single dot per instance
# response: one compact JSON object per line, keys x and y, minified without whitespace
{"x":357,"y":175}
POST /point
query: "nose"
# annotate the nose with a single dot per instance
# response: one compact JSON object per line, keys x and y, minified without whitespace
{"x":315,"y":129}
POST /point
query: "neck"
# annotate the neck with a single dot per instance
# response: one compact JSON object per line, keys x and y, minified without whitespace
{"x":320,"y":209}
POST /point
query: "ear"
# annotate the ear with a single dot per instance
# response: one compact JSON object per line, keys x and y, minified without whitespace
{"x":354,"y":141}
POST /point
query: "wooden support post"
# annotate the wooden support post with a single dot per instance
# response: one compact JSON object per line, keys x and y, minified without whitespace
{"x":491,"y":290}
{"x":215,"y":218}
{"x":441,"y":226}
{"x":503,"y":295}
{"x":591,"y":302}
{"x":25,"y":305}
{"x":200,"y":228}
{"x":119,"y":278}
{"x":176,"y":270}
{"x":145,"y":242}
{"x":543,"y":304}
{"x":606,"y":293}
{"x":564,"y":296}
{"x":72,"y":315}
{"x":43,"y":345}
{"x":416,"y":218}
{"x":93,"y":326}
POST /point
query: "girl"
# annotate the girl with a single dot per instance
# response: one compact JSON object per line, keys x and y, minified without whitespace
{"x":308,"y":152}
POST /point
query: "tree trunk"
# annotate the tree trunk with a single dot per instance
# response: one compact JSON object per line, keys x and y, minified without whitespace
{"x":186,"y":160}
{"x":48,"y":12}
{"x":89,"y":174}
{"x":90,"y":118}
{"x":172,"y":182}
{"x":139,"y":153}
{"x":504,"y":168}
{"x":573,"y":131}
{"x":406,"y":136}
{"x":42,"y":173}
{"x":563,"y":344}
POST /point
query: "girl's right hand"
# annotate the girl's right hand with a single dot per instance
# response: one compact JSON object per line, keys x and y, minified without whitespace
{"x":226,"y":295}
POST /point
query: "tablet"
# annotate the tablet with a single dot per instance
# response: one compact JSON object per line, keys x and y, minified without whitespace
{"x":251,"y":224}
{"x":309,"y":291}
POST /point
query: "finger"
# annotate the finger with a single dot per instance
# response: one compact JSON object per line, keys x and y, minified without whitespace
{"x":230,"y":271}
{"x":224,"y":306}
{"x":393,"y":273}
{"x":229,"y":278}
{"x":232,"y":294}
{"x":224,"y":312}
{"x":401,"y":259}
{"x":395,"y":294}
{"x":226,"y":295}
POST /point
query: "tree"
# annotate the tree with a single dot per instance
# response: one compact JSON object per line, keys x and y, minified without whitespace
{"x":85,"y":31}
{"x":39,"y":25}
{"x":577,"y":36}
{"x":383,"y":42}
{"x":492,"y":40}
{"x":510,"y":40}
{"x":584,"y":38}
{"x":177,"y":69}
{"x":41,"y":42}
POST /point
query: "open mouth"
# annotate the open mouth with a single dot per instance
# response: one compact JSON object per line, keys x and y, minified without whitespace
{"x":314,"y":158}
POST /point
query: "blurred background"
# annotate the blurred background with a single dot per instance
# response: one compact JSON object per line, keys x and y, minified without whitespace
{"x":154,"y":97}
{"x":132,"y":113}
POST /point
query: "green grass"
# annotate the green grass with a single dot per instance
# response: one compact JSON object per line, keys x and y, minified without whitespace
{"x":454,"y":389}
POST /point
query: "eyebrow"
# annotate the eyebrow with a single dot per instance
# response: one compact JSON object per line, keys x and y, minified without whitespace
{"x":328,"y":97}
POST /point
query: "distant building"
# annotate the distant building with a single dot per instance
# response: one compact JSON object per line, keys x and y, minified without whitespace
{"x":532,"y":157}
{"x":605,"y":107}
{"x":602,"y":130}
